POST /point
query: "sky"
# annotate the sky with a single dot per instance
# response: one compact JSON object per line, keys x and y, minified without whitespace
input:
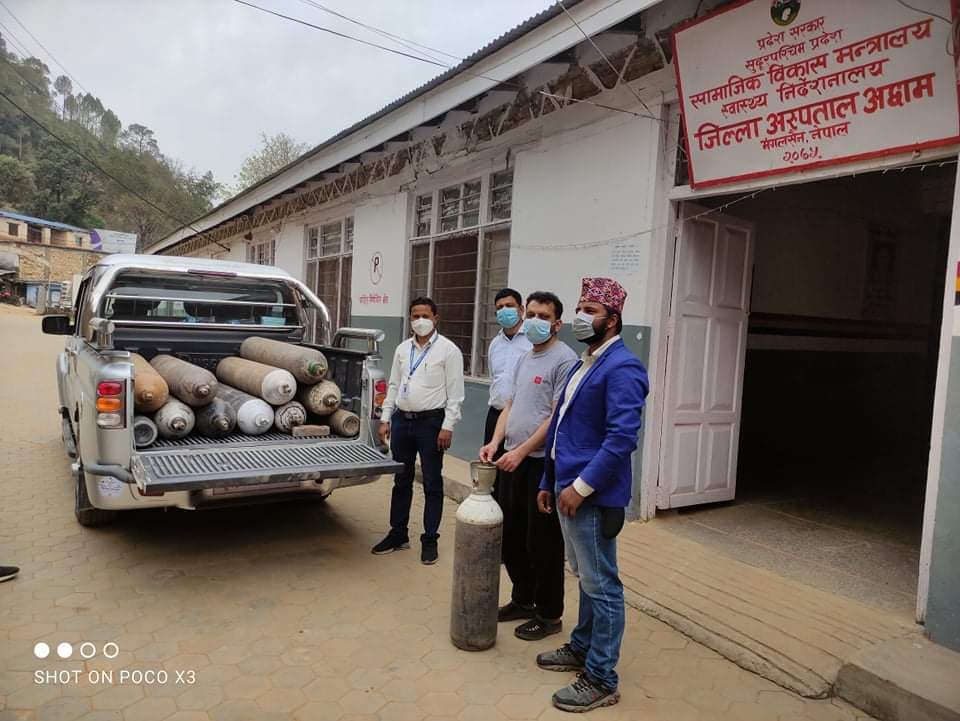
{"x":209,"y":76}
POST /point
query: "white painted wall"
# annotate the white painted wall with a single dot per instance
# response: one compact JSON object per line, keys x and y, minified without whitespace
{"x":586,"y":186}
{"x":288,"y":253}
{"x":380,"y":227}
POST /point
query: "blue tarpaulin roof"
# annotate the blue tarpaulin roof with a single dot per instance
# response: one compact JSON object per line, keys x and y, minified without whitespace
{"x":40,"y":221}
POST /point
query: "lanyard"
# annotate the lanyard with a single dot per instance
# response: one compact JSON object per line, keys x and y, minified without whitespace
{"x":415,"y":365}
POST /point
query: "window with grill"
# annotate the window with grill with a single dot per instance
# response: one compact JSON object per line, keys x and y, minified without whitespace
{"x":329,"y":265}
{"x":13,"y":229}
{"x":465,"y":261}
{"x":262,"y":253}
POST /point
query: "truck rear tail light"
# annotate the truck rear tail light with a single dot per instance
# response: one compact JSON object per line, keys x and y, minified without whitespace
{"x":379,"y":396}
{"x":110,"y":388}
{"x":110,"y":404}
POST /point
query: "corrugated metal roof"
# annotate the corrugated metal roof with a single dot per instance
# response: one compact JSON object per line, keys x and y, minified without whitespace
{"x":487,"y":50}
{"x":40,"y":221}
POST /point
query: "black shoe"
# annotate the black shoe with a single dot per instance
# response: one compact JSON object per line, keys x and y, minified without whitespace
{"x":390,"y":544}
{"x":563,"y":659}
{"x":8,"y":572}
{"x":513,"y":611}
{"x":537,"y":629}
{"x":585,"y":694}
{"x":428,"y":552}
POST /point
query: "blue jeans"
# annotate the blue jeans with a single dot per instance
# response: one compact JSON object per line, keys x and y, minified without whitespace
{"x":409,"y":438}
{"x":593,"y":559}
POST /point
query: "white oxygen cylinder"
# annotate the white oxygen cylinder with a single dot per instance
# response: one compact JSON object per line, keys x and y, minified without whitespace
{"x":254,"y":416}
{"x":175,"y":419}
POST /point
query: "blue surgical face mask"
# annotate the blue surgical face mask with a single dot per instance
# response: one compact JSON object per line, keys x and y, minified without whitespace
{"x":538,"y":330}
{"x":508,"y":317}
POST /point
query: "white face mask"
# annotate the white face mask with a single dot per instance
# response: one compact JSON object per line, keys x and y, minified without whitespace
{"x":422,"y":326}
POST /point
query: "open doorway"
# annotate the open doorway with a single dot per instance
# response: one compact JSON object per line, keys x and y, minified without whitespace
{"x":838,"y":381}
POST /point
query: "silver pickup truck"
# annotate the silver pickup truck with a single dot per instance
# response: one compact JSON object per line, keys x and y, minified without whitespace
{"x":201,"y":311}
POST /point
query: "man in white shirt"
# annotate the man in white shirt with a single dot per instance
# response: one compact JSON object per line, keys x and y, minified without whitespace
{"x":419,"y":414}
{"x":506,"y":349}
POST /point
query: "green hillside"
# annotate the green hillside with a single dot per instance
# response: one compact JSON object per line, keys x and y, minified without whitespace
{"x":41,"y":176}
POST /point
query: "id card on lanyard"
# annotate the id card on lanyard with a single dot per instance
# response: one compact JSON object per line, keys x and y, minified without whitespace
{"x":414,"y":364}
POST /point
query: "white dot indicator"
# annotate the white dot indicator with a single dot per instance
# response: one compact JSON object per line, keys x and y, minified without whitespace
{"x":88,"y":650}
{"x":111,"y":650}
{"x":65,"y":650}
{"x":41,"y":650}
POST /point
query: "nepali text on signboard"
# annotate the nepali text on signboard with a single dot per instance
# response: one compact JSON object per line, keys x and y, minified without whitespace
{"x":773,"y":86}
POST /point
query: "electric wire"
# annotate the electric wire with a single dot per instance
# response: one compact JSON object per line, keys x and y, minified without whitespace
{"x":446,"y":66}
{"x":602,"y":54}
{"x":925,"y":12}
{"x":720,"y":209}
{"x":405,"y":42}
{"x":44,"y":47}
{"x":20,"y":47}
{"x":100,"y":168}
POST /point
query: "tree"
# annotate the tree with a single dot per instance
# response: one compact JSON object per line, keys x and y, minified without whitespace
{"x":141,"y":139}
{"x":278,"y":151}
{"x":68,"y":188}
{"x":64,"y":87}
{"x":110,"y":126}
{"x":16,"y":183}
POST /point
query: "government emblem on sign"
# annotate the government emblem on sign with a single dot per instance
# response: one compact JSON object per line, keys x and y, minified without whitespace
{"x":784,"y":12}
{"x":376,"y":268}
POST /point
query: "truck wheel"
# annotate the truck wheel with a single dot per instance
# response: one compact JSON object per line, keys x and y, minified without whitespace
{"x":86,"y":514}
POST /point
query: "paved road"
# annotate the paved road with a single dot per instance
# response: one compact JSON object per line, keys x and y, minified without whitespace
{"x":275,"y":613}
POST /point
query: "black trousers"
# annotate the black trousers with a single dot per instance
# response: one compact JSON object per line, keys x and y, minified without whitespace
{"x":493,"y":415}
{"x":533,"y":549}
{"x":410,"y":437}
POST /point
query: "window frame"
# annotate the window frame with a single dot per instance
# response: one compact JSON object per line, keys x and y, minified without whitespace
{"x":347,"y":225}
{"x":484,"y":226}
{"x":253,"y":249}
{"x":13,"y":229}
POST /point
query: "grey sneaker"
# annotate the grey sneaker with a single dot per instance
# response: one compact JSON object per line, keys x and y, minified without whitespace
{"x":563,"y":659}
{"x":584,"y":694}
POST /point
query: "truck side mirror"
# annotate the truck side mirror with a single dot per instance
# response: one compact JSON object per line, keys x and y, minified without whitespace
{"x":57,"y":325}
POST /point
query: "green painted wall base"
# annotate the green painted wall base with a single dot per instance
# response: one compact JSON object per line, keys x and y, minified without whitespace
{"x":943,"y":606}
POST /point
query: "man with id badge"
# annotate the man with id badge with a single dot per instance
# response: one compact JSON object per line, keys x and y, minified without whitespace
{"x":419,"y":414}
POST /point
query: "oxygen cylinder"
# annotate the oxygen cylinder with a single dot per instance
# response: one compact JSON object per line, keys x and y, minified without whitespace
{"x":289,"y":416}
{"x":217,"y":419}
{"x":344,"y":423}
{"x":192,"y":384}
{"x":274,"y":385}
{"x":308,"y":365}
{"x":175,"y":419}
{"x":144,"y":431}
{"x":322,"y":398}
{"x":150,"y":391}
{"x":476,"y":564}
{"x":254,"y":415}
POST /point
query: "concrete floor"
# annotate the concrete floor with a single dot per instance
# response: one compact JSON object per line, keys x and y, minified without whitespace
{"x":852,"y":537}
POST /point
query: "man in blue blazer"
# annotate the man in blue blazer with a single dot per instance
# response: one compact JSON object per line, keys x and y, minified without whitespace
{"x":588,"y":474}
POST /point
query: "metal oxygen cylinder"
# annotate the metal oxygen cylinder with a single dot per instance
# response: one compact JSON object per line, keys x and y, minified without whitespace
{"x":308,"y":365}
{"x":321,"y":399}
{"x":175,"y":419}
{"x":192,"y":384}
{"x":344,"y":423}
{"x":144,"y":431}
{"x":275,"y":385}
{"x":254,"y":415}
{"x":289,"y":416}
{"x":216,"y":420}
{"x":476,"y":564}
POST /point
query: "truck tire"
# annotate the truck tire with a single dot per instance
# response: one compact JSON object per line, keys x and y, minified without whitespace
{"x":86,"y":514}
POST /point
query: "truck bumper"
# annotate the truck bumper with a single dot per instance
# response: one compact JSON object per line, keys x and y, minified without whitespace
{"x":259,"y":465}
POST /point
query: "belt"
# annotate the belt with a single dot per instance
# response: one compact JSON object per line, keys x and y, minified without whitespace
{"x":414,"y":415}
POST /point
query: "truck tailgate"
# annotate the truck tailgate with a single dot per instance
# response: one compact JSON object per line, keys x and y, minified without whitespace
{"x":187,"y":467}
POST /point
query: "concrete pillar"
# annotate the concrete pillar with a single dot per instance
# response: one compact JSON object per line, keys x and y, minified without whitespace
{"x":45,"y":236}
